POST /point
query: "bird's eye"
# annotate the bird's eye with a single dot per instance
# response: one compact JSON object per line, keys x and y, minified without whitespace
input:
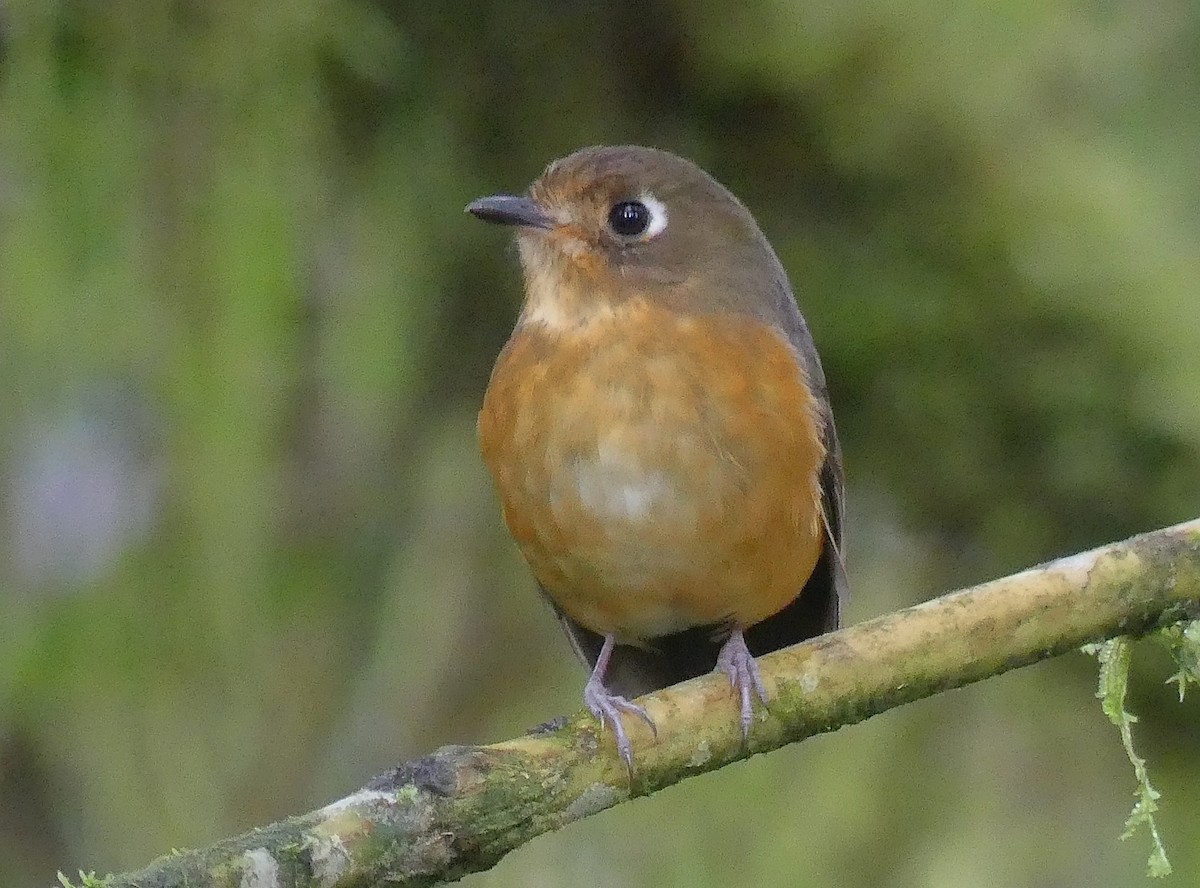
{"x":629,"y":218}
{"x":638,"y":220}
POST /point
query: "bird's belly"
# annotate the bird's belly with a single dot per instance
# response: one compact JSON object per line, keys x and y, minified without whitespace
{"x":623,"y":542}
{"x":665,"y":480}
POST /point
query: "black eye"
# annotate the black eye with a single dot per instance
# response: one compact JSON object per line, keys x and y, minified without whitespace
{"x":629,"y":218}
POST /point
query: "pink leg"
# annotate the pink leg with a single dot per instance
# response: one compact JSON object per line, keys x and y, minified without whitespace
{"x":736,"y":661}
{"x":607,"y":707}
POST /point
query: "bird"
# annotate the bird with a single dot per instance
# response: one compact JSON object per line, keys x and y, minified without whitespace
{"x":659,"y":431}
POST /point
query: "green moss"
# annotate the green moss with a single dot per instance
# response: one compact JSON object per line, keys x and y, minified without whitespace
{"x":1183,"y":641}
{"x":408,"y":794}
{"x":1115,"y":656}
{"x":86,"y":880}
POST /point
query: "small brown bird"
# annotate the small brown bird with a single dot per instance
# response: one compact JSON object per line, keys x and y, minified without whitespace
{"x":659,"y":431}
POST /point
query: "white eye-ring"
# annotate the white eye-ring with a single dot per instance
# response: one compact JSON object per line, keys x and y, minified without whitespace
{"x":658,"y":215}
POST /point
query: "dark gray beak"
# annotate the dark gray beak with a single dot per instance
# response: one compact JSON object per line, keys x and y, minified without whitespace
{"x":506,"y":209}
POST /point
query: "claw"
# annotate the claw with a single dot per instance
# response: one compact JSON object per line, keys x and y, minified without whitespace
{"x":736,"y":661}
{"x":608,"y":707}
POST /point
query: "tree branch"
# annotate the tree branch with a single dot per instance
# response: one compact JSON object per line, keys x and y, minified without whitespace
{"x":462,"y":808}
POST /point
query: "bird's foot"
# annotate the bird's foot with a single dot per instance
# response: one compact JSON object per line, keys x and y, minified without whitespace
{"x":608,"y":707}
{"x":736,"y":661}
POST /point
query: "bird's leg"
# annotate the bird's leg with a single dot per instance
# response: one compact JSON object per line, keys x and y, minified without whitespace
{"x":736,"y":661}
{"x":608,"y":707}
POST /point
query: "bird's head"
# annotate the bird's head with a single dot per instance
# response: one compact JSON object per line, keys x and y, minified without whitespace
{"x":607,"y":225}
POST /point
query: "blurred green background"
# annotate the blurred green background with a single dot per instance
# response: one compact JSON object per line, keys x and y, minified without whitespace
{"x":249,"y":557}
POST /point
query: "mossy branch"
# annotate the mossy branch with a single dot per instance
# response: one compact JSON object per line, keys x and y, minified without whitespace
{"x":462,"y":808}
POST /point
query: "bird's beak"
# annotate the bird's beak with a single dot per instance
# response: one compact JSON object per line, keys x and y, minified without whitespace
{"x":506,"y":209}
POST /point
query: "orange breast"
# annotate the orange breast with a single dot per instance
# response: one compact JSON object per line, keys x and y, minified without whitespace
{"x":658,"y":472}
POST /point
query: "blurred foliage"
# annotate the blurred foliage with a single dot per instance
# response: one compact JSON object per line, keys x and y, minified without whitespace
{"x":248,"y":554}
